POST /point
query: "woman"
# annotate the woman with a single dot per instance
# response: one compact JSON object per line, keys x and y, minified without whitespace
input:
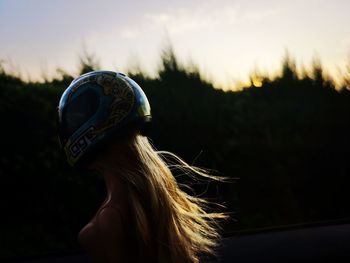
{"x":103,"y":117}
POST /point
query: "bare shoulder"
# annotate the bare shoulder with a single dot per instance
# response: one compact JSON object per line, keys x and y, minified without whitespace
{"x":110,"y":218}
{"x":111,"y":234}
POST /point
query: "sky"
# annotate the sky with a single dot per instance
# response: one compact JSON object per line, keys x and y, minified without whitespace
{"x":227,"y":40}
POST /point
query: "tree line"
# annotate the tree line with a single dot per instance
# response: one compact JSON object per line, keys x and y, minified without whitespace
{"x":285,"y":144}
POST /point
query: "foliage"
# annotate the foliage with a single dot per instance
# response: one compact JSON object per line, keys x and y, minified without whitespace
{"x":287,"y":142}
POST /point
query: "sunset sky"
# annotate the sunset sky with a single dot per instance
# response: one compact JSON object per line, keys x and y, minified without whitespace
{"x":226,"y":39}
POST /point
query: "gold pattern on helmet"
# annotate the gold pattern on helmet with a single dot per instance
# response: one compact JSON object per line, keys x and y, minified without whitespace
{"x":122,"y":103}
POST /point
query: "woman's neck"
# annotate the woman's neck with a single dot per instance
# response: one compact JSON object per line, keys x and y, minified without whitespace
{"x":114,"y":186}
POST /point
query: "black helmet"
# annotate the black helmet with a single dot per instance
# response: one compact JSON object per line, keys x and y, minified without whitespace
{"x":96,"y":106}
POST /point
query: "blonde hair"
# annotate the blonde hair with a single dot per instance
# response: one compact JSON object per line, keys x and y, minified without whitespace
{"x":171,"y":225}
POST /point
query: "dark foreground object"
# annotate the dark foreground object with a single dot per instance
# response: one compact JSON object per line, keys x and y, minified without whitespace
{"x":317,"y":243}
{"x":323,"y":243}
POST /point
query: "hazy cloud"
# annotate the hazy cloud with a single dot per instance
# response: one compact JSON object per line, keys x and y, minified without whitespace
{"x":207,"y":16}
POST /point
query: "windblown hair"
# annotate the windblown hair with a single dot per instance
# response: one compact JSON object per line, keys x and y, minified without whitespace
{"x":171,"y":225}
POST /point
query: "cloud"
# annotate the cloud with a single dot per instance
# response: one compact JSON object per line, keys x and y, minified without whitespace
{"x":207,"y":16}
{"x":255,"y":16}
{"x":129,"y":33}
{"x":184,"y":20}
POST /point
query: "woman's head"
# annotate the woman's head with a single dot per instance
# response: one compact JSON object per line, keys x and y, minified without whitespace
{"x":96,"y":107}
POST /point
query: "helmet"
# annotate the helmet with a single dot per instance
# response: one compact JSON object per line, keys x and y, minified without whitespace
{"x":96,"y":106}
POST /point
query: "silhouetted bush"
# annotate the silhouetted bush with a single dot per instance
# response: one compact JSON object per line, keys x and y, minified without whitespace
{"x":287,"y":142}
